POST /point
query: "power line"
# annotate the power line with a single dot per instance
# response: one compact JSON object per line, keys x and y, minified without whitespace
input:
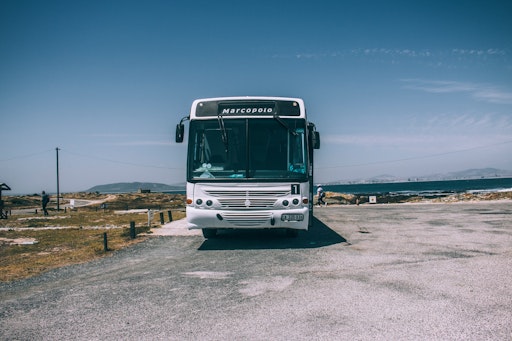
{"x":414,"y":157}
{"x":121,"y":162}
{"x":26,"y":156}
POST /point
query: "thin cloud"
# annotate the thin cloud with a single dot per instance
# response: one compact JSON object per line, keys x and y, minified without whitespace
{"x":392,"y":52}
{"x":142,"y":143}
{"x":129,"y":139}
{"x":494,"y":96}
{"x":127,"y":135}
{"x":419,"y":142}
{"x":368,"y":140}
{"x":477,"y":52}
{"x":465,"y":123}
{"x":482,"y":92}
{"x":434,"y":56}
{"x":438,"y":86}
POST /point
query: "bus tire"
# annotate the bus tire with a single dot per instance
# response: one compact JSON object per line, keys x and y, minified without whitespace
{"x":209,"y":233}
{"x":292,"y":233}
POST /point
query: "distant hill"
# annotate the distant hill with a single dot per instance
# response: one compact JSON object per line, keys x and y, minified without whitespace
{"x":130,"y":187}
{"x":480,"y":173}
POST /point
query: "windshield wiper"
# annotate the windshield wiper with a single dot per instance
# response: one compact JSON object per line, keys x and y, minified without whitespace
{"x":223,"y":133}
{"x":283,"y":123}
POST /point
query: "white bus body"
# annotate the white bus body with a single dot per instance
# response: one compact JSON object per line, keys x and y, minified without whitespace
{"x":249,"y":164}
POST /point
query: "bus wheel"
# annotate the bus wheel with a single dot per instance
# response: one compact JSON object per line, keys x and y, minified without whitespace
{"x":292,"y":233}
{"x":209,"y":233}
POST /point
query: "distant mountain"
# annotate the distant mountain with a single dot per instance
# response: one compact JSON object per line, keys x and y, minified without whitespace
{"x":383,"y":178}
{"x":480,"y":173}
{"x":130,"y":187}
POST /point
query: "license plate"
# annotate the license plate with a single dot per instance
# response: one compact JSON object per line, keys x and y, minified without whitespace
{"x":292,"y":217}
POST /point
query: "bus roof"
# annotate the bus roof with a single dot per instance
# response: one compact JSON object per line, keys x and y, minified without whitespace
{"x":248,"y":106}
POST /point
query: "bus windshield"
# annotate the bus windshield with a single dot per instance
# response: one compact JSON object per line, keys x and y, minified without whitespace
{"x":245,"y":148}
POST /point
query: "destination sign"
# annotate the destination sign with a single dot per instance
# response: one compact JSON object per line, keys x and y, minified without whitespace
{"x":248,"y":108}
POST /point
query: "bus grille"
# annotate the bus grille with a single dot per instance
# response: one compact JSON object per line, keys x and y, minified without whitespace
{"x":249,"y":203}
{"x":247,"y":199}
{"x":247,"y":219}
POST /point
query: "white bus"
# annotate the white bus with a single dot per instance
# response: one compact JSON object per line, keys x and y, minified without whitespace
{"x":249,"y":164}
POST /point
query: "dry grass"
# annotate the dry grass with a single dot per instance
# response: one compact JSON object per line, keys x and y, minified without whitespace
{"x":82,"y":218}
{"x":74,"y":236}
{"x":56,"y":248}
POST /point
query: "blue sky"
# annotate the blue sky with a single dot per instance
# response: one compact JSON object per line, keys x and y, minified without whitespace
{"x":406,"y":88}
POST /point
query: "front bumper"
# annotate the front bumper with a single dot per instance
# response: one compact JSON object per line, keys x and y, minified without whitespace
{"x":296,"y":218}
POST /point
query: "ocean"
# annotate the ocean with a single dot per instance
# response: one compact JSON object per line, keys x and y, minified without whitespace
{"x":425,"y":188}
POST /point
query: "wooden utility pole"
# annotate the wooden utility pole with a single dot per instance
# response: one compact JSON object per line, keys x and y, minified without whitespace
{"x":58,"y":191}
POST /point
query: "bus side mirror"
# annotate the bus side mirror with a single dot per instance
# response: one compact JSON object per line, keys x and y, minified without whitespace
{"x":316,"y":140}
{"x":180,"y":131}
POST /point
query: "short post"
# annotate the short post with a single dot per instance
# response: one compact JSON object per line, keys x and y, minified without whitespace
{"x":132,"y":229}
{"x":105,"y":243}
{"x":162,"y":218}
{"x":150,"y":217}
{"x":169,"y":213}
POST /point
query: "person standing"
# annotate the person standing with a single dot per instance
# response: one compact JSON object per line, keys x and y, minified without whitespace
{"x":45,"y":200}
{"x":321,"y":195}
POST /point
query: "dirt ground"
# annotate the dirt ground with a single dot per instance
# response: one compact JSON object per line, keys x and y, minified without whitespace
{"x":427,"y":271}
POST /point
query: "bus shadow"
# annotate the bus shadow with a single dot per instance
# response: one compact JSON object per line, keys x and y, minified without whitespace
{"x":319,"y":235}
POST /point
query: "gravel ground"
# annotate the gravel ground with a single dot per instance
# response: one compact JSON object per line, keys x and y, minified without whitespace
{"x":381,"y":272}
